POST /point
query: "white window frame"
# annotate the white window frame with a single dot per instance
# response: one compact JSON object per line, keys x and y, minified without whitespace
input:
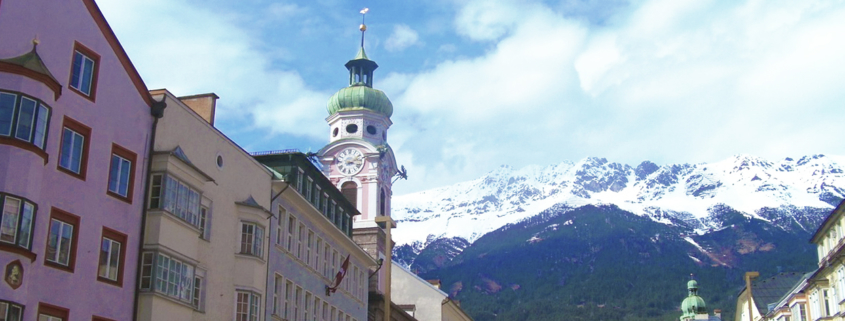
{"x":252,"y":239}
{"x":249,"y":300}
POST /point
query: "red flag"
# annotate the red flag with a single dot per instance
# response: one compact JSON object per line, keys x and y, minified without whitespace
{"x":340,"y":274}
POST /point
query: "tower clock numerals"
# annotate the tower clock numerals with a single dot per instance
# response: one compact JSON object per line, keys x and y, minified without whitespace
{"x":350,"y":161}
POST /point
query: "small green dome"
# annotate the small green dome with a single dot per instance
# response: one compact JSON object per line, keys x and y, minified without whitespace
{"x":692,"y":284}
{"x":693,"y":305}
{"x":359,"y":96}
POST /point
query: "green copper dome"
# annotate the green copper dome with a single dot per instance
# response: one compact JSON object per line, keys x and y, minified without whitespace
{"x":360,"y":94}
{"x":693,"y":304}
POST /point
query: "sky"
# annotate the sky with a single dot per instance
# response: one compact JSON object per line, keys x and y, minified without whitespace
{"x":480,"y":84}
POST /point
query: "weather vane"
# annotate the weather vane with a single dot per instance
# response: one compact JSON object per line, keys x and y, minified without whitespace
{"x":363,"y":26}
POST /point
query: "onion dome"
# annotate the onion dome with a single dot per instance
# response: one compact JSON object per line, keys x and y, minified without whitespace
{"x":360,"y":94}
{"x":693,"y":304}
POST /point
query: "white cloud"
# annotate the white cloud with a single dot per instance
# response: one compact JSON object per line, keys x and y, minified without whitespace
{"x":401,"y":38}
{"x":191,"y":50}
{"x":669,"y":81}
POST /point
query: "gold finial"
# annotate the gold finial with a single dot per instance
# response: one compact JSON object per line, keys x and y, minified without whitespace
{"x":35,"y":42}
{"x":362,"y":27}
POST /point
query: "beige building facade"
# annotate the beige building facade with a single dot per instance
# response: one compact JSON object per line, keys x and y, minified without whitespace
{"x":423,"y":300}
{"x":204,"y":254}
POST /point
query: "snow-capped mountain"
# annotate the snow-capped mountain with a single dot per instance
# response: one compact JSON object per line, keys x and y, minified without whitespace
{"x":684,"y":194}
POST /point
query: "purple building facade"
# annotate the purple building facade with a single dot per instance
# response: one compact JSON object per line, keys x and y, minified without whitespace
{"x":75,"y":124}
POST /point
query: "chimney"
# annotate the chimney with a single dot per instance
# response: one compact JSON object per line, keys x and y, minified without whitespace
{"x":202,"y":104}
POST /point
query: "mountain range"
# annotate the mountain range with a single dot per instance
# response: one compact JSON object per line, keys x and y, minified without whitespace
{"x":575,"y":225}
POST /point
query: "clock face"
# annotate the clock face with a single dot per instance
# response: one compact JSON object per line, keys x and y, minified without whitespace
{"x":350,"y":161}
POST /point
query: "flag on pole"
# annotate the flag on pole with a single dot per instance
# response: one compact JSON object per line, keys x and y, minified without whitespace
{"x":339,"y":276}
{"x":365,"y":10}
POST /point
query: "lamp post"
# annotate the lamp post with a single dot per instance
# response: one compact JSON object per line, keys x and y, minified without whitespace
{"x":748,"y":277}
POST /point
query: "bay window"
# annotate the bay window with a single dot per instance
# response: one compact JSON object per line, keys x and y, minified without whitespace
{"x":247,"y":306}
{"x":252,"y":239}
{"x":10,"y":311}
{"x":23,"y":118}
{"x":171,"y":277}
{"x":16,"y":221}
{"x":176,"y":197}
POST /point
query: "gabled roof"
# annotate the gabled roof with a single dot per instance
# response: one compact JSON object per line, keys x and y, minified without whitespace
{"x":111,"y":38}
{"x":771,"y":290}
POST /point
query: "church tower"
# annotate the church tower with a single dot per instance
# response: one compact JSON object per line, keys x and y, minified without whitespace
{"x":358,"y":159}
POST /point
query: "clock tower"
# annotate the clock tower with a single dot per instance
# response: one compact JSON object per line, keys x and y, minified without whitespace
{"x":358,"y":159}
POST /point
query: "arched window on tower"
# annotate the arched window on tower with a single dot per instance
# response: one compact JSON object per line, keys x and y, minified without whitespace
{"x":382,"y":203}
{"x":350,"y":191}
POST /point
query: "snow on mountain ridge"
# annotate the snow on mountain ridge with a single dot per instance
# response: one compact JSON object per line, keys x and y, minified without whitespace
{"x":679,"y":191}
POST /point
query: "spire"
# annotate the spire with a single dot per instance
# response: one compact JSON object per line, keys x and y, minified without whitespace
{"x":361,"y":67}
{"x":363,"y":27}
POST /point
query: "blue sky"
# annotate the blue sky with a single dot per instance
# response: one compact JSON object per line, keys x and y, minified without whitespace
{"x":479,"y":84}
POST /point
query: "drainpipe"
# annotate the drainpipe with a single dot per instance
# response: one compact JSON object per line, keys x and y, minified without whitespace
{"x":157,"y":111}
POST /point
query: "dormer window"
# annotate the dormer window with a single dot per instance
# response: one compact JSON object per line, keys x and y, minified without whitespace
{"x":83,"y":76}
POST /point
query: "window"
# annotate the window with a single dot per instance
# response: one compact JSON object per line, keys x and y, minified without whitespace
{"x":121,"y":173}
{"x":16,"y":222}
{"x":332,"y":209}
{"x":316,"y":197}
{"x":299,"y":240}
{"x":199,"y":276}
{"x":317,"y":257}
{"x":23,"y":118}
{"x":73,"y":152}
{"x":299,"y":182}
{"x":381,"y":203}
{"x":309,"y":243}
{"x":278,"y":282}
{"x":288,"y":300}
{"x":280,"y":221}
{"x":308,"y":186}
{"x":334,"y":263}
{"x":317,"y":305}
{"x":172,"y":195}
{"x":169,"y":276}
{"x":112,"y":255}
{"x":291,"y":228}
{"x":325,"y":207}
{"x":350,"y":191}
{"x":83,"y":73}
{"x":247,"y":307}
{"x":10,"y":311}
{"x":203,"y":223}
{"x":49,"y":312}
{"x":306,"y":306}
{"x":61,"y":240}
{"x":296,"y":298}
{"x":252,"y":239}
{"x":356,"y":280}
{"x":326,"y":253}
{"x":325,"y":311}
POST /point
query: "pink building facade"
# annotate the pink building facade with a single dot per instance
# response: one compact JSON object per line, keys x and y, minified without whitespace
{"x":75,"y":124}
